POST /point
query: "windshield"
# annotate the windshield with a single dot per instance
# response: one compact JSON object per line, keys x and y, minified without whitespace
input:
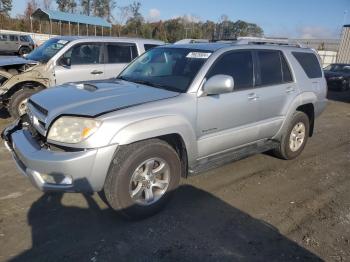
{"x":338,"y":68}
{"x":169,"y":68}
{"x":47,"y":50}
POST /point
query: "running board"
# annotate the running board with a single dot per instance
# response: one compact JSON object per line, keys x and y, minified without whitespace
{"x":221,"y":159}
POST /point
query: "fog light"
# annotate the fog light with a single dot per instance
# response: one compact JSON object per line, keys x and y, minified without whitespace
{"x":57,"y":179}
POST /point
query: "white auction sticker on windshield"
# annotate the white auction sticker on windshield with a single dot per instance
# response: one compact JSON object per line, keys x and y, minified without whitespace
{"x":62,"y":42}
{"x":199,"y":55}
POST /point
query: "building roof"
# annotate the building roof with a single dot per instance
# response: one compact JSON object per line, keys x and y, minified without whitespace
{"x":68,"y":17}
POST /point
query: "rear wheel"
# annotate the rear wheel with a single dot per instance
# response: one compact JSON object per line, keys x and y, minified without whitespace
{"x":24,"y":50}
{"x":295,"y":138}
{"x":17,"y":105}
{"x":142,"y":178}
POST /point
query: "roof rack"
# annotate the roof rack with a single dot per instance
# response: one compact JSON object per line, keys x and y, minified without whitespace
{"x":266,"y":41}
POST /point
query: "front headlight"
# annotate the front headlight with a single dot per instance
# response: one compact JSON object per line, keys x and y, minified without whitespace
{"x":68,"y":129}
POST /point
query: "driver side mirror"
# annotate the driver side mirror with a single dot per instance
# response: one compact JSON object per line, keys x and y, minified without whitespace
{"x":218,"y":84}
{"x":65,"y":62}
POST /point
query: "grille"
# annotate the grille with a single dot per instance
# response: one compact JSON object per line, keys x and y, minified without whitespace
{"x":39,"y":108}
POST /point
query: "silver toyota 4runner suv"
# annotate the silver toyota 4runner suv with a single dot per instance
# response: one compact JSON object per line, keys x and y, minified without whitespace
{"x":175,"y":110}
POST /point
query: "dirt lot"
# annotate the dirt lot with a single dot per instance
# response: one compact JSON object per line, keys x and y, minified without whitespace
{"x":257,"y":209}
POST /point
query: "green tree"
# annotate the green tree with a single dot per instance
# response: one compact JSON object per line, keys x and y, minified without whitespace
{"x":104,"y":8}
{"x":67,"y":5}
{"x":5,"y":7}
{"x":134,"y":23}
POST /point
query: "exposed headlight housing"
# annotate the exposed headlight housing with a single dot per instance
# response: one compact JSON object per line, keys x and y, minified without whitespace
{"x":72,"y":130}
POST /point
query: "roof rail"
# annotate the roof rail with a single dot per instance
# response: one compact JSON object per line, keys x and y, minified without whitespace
{"x":266,"y":41}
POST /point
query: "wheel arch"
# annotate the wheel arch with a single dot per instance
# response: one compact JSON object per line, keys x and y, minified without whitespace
{"x":173,"y":129}
{"x":304,"y":103}
{"x":309,"y":110}
{"x":35,"y":85}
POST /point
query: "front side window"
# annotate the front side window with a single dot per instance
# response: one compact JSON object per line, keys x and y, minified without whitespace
{"x":168,"y":68}
{"x":121,"y":53}
{"x":47,"y":50}
{"x":309,"y":63}
{"x":239,"y":65}
{"x":85,"y":54}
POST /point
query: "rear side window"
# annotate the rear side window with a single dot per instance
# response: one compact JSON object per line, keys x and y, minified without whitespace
{"x":239,"y":65}
{"x":149,"y":46}
{"x":309,"y":63}
{"x":270,"y":67}
{"x":287,"y":75}
{"x":121,"y":53}
{"x":13,"y":38}
{"x":273,"y":68}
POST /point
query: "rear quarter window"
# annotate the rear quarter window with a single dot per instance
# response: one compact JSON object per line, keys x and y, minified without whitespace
{"x":309,"y":63}
{"x":24,"y":38}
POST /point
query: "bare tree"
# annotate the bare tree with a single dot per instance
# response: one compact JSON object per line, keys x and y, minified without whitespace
{"x":47,"y":4}
{"x":32,"y":5}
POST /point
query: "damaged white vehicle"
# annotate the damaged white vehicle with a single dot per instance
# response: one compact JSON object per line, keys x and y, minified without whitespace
{"x":65,"y":59}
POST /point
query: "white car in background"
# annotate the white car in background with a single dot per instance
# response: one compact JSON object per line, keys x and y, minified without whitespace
{"x":65,"y":59}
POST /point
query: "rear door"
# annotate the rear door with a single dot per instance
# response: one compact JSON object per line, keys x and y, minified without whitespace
{"x":275,"y":89}
{"x":86,"y":64}
{"x":118,"y":56}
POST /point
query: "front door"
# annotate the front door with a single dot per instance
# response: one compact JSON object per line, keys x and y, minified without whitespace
{"x":86,"y":64}
{"x":228,"y":120}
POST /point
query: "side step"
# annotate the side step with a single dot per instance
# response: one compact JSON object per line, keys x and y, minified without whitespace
{"x":221,"y":159}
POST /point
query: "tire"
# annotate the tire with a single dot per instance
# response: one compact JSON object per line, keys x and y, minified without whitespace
{"x":119,"y":187}
{"x":24,"y":50}
{"x":17,"y":103}
{"x":285,"y":149}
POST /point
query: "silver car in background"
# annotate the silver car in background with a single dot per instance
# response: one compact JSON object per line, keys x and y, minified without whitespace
{"x":65,"y":59}
{"x":175,"y":110}
{"x":16,"y":43}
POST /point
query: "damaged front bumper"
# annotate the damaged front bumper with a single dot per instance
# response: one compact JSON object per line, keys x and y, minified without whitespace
{"x":49,"y":170}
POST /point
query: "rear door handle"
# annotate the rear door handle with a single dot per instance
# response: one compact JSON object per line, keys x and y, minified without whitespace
{"x":253,"y":96}
{"x":96,"y":72}
{"x":290,"y":89}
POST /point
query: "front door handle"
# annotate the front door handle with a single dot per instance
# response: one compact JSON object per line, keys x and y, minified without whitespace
{"x":96,"y":72}
{"x":253,"y":96}
{"x":290,"y":89}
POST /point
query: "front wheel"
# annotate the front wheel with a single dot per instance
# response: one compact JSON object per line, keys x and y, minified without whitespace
{"x":295,"y":138}
{"x":17,"y":105}
{"x":142,"y":178}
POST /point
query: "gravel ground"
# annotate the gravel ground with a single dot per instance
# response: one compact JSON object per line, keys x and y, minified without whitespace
{"x":257,"y":209}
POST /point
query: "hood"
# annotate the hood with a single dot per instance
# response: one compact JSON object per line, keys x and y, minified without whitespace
{"x":15,"y":60}
{"x":96,"y":97}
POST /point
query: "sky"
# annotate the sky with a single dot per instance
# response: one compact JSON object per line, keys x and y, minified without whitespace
{"x":280,"y":18}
